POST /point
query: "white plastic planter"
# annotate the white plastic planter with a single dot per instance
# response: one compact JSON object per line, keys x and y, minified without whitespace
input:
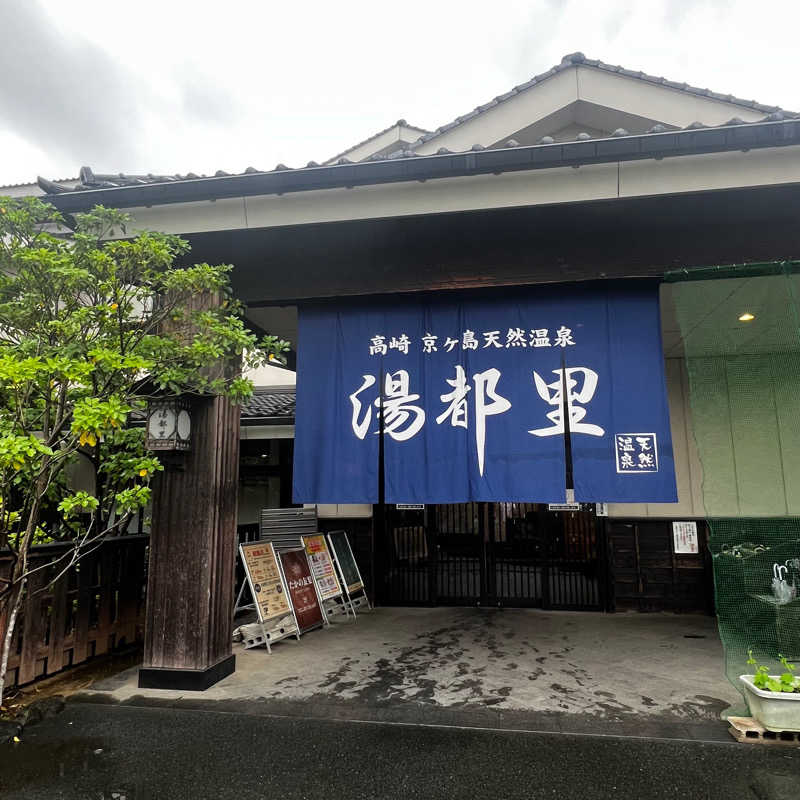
{"x":776,"y":711}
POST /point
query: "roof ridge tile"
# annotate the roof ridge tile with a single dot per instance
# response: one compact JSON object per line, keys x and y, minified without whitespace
{"x":579,"y":59}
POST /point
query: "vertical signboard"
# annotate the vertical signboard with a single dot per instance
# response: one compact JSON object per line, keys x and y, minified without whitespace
{"x":302,"y":590}
{"x":324,"y":573}
{"x":263,"y":573}
{"x":319,"y":559}
{"x":348,"y":569}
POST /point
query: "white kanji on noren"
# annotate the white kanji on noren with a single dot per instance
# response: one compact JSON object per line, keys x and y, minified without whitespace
{"x":486,"y":389}
{"x":468,"y":341}
{"x":361,"y":423}
{"x":563,"y":337}
{"x":400,"y":343}
{"x":553,"y":394}
{"x":429,"y":343}
{"x":637,"y":453}
{"x":401,"y":419}
{"x":516,"y":338}
{"x":492,"y":339}
{"x":457,"y":410}
{"x":378,"y":346}
{"x":539,"y":338}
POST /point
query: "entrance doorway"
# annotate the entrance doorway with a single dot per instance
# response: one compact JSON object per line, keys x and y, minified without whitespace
{"x":492,"y":554}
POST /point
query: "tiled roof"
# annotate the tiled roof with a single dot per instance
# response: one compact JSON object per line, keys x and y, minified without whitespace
{"x":574,"y":59}
{"x":398,"y":124}
{"x":28,"y":183}
{"x":89,"y":181}
{"x":93,"y":182}
{"x":278,"y":402}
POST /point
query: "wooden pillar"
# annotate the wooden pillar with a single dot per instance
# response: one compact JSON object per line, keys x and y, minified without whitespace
{"x":192,"y":556}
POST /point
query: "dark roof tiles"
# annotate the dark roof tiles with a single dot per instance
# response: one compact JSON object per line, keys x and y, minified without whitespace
{"x":118,"y":181}
{"x":269,"y":404}
{"x":400,"y":123}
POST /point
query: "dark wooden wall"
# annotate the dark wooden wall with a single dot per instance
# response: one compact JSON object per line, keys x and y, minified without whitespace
{"x":647,"y":576}
{"x":88,"y":611}
{"x":193,"y":544}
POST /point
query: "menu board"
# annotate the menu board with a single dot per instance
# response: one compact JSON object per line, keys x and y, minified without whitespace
{"x":319,"y":559}
{"x":301,"y":589}
{"x":346,"y":561}
{"x":264,"y":575}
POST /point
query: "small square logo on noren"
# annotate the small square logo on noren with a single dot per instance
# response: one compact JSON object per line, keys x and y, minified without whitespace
{"x":636,"y":453}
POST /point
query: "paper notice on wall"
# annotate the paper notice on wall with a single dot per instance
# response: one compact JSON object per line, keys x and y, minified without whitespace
{"x":684,"y":535}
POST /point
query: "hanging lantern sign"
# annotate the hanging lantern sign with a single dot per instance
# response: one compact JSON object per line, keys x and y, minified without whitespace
{"x":169,"y":424}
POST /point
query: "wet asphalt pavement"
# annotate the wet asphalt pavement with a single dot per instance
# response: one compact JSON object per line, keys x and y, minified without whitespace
{"x":129,"y":753}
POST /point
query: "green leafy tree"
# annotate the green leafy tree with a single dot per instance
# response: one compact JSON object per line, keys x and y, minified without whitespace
{"x":93,"y":322}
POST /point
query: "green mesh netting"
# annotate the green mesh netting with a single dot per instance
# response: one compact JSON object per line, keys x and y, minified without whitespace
{"x":744,"y":392}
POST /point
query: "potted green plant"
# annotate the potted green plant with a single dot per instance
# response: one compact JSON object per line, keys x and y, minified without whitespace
{"x":774,"y":700}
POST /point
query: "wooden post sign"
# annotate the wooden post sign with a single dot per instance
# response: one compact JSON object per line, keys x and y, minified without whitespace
{"x":352,"y":583}
{"x":324,"y":574}
{"x":270,"y":595}
{"x":302,"y":590}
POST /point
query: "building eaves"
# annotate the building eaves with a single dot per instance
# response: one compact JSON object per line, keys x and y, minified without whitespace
{"x":271,"y":406}
{"x":400,"y":123}
{"x":776,"y":130}
{"x":579,"y":59}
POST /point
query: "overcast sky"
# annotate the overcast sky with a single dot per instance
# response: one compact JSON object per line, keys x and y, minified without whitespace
{"x":168,"y":86}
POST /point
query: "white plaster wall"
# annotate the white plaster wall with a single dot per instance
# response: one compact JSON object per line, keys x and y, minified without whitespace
{"x":268,"y":376}
{"x":670,"y":106}
{"x":504,"y":119}
{"x":342,"y":510}
{"x":627,"y":95}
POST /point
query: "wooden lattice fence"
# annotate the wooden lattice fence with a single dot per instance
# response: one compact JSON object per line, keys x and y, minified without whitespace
{"x":96,"y":606}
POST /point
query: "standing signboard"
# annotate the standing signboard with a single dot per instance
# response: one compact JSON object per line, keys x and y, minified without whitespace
{"x":265,"y":579}
{"x":302,"y":590}
{"x":324,"y":574}
{"x":352,"y":582}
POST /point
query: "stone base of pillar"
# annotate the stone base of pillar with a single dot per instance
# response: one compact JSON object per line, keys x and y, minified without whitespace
{"x":187,"y":680}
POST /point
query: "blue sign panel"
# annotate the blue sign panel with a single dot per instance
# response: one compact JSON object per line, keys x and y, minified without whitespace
{"x":474,"y":393}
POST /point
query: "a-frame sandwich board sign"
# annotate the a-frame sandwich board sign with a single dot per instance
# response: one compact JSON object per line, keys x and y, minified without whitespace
{"x":270,"y":593}
{"x":352,"y":582}
{"x":302,"y":590}
{"x":323,"y":571}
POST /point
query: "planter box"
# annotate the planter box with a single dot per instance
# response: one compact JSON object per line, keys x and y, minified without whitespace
{"x":776,"y":711}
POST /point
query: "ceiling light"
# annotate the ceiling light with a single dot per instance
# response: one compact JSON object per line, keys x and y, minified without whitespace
{"x":747,"y":317}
